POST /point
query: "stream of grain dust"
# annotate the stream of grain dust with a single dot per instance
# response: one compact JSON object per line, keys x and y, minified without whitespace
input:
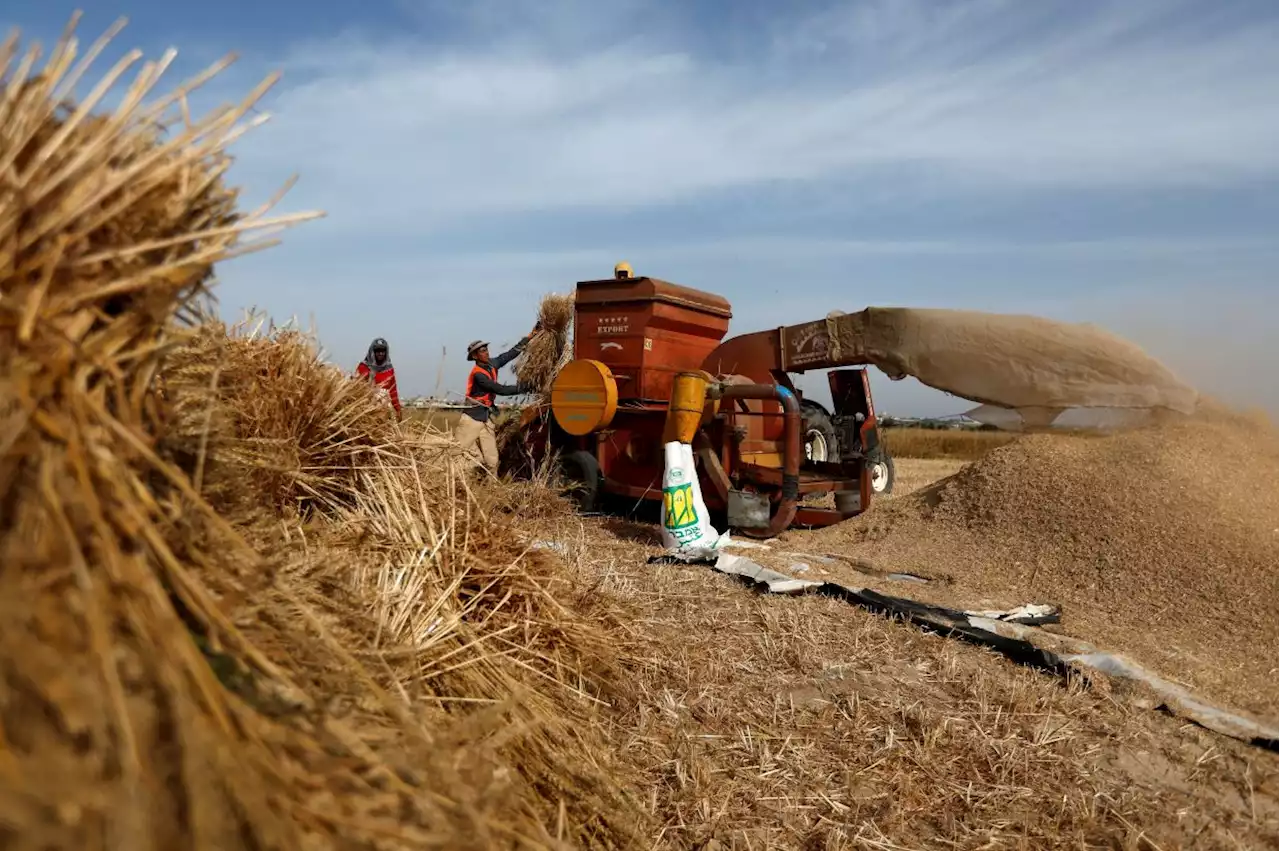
{"x":1035,"y":366}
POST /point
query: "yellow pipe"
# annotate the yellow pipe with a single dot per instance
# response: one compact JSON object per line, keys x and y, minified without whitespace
{"x":688,"y":406}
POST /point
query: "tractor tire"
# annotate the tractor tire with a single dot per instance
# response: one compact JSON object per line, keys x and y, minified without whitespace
{"x":880,"y":469}
{"x":819,"y":438}
{"x":581,"y":476}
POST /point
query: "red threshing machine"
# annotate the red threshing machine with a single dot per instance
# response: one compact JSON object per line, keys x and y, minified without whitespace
{"x":767,"y":457}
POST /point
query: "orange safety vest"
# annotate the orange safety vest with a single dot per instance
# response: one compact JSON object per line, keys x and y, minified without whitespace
{"x":474,"y":395}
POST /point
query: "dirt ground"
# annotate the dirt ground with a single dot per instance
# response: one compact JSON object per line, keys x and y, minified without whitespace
{"x":805,"y":722}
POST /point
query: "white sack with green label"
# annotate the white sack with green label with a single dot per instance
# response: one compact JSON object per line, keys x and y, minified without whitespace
{"x":686,"y":530}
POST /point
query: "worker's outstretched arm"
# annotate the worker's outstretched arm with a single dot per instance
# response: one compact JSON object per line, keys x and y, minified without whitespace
{"x":508,"y":356}
{"x":488,"y":385}
{"x":511,"y":354}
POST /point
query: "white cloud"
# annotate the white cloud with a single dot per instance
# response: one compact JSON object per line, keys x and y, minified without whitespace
{"x":407,"y":129}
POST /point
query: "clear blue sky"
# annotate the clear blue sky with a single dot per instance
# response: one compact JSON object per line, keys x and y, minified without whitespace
{"x":1113,"y":162}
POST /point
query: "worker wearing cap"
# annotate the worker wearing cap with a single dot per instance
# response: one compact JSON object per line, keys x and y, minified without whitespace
{"x":377,"y":368}
{"x":475,"y":426}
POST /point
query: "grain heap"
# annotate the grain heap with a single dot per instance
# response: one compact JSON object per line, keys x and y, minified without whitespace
{"x":146,"y":639}
{"x":1159,"y":542}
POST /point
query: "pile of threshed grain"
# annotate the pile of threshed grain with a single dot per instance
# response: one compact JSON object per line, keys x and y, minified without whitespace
{"x":363,"y":658}
{"x":1160,"y":543}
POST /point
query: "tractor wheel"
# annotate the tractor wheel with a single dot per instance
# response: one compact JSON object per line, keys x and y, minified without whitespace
{"x":880,"y":468}
{"x":582,"y":479}
{"x":819,"y":434}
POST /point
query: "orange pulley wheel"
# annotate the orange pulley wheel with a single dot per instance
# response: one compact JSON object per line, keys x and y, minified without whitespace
{"x":584,"y":397}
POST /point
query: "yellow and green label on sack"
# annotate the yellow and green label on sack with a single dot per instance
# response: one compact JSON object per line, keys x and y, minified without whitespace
{"x":680,"y":510}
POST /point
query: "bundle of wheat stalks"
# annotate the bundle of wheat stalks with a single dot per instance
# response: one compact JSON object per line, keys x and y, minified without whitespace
{"x":256,"y":412}
{"x":146,"y":638}
{"x":109,"y":226}
{"x":549,"y":349}
{"x":537,"y":367}
{"x":404,"y":564}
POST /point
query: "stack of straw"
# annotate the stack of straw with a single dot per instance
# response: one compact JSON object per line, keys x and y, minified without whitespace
{"x":265,"y":424}
{"x":405,"y":564}
{"x":145,"y":641}
{"x":117,"y":731}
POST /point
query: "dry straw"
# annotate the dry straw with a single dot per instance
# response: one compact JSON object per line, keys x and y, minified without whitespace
{"x":243,"y":608}
{"x":283,"y":426}
{"x":108,"y":229}
{"x":145,"y":700}
{"x":419,"y":605}
{"x":549,"y":349}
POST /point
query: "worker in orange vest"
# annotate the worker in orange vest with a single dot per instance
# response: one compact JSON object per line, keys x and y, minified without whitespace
{"x":376,"y":367}
{"x":475,"y":426}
